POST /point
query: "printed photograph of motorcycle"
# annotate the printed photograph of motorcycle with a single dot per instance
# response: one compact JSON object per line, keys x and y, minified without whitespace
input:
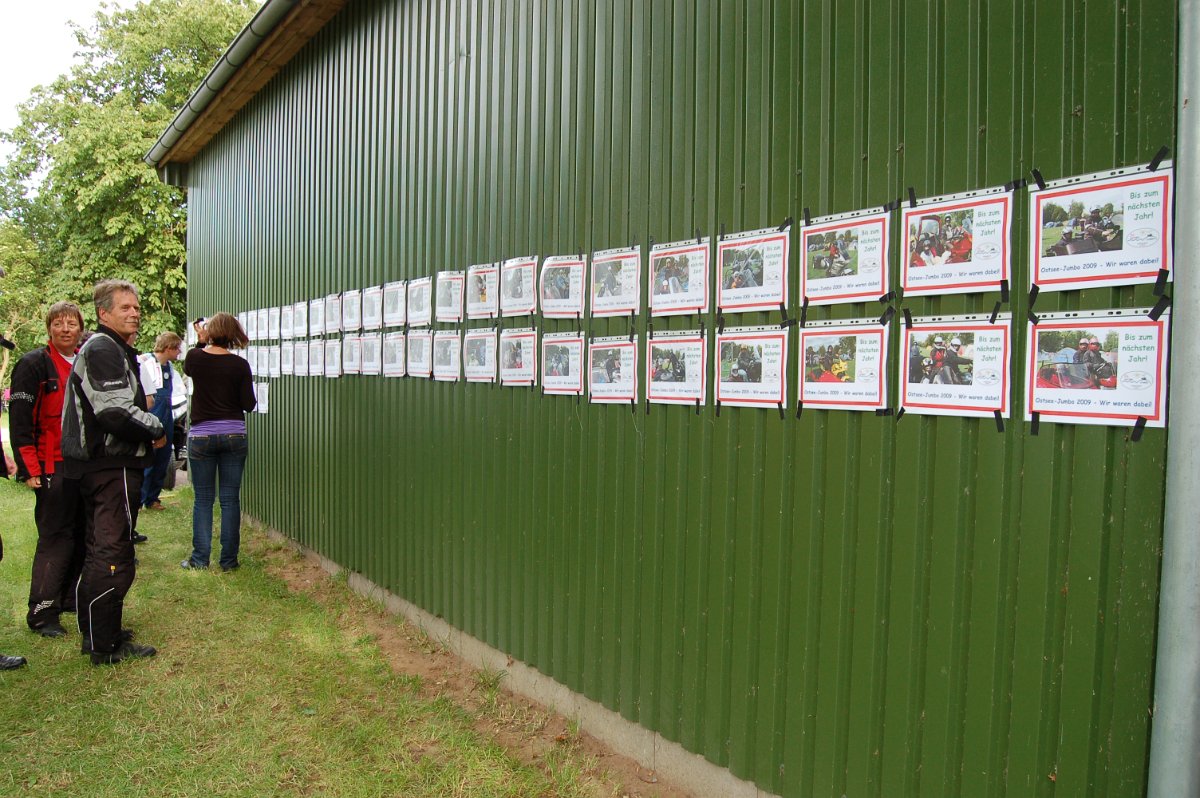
{"x":742,"y":267}
{"x":938,"y":239}
{"x":557,"y":360}
{"x":1079,"y":229}
{"x":1078,"y":359}
{"x":672,"y":274}
{"x":741,"y":362}
{"x":668,"y":364}
{"x":942,"y":358}
{"x":606,"y":366}
{"x":832,"y":255}
{"x":830,"y":359}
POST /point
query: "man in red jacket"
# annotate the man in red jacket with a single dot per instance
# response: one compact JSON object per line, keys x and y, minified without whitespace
{"x":39,"y":383}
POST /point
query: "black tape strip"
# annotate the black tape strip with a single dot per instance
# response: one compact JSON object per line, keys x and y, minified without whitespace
{"x":720,"y":324}
{"x":786,"y":223}
{"x":884,"y":411}
{"x":912,"y":197}
{"x":650,"y":242}
{"x":891,"y":206}
{"x":722,"y":229}
{"x":698,"y":236}
{"x":999,"y":422}
{"x":787,"y":321}
{"x":647,"y":405}
{"x":633,"y":407}
{"x":1035,"y":421}
{"x":995,"y":313}
{"x":1015,"y":184}
{"x":1139,"y":426}
{"x":782,"y":416}
{"x":888,"y":297}
{"x":1158,"y":158}
{"x":1033,"y":317}
{"x":1159,"y":307}
{"x":799,"y":408}
{"x":907,"y":319}
{"x":697,"y":407}
{"x":899,"y":415}
{"x":1037,"y":178}
{"x":718,"y":408}
{"x":887,"y":315}
{"x":1160,"y":282}
{"x":1004,"y":290}
{"x":650,"y":329}
{"x":632,"y":328}
{"x":807,"y":218}
{"x":1033,"y":294}
{"x":804,"y":312}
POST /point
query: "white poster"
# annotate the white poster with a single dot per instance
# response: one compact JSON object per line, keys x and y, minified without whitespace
{"x":677,"y":368}
{"x":262,"y":397}
{"x":286,"y":314}
{"x":518,"y":276}
{"x":483,"y":291}
{"x":843,"y":365}
{"x":1110,"y":228}
{"x":371,"y":353}
{"x":420,"y":353}
{"x":958,"y":244}
{"x":420,"y":302}
{"x":957,"y":366}
{"x":394,"y":355}
{"x":244,"y":319}
{"x":263,"y":319}
{"x":264,"y":361}
{"x":479,"y":355}
{"x":372,"y":308}
{"x":449,"y":296}
{"x":333,"y":357}
{"x":300,"y":319}
{"x":316,"y":318}
{"x":273,"y":364}
{"x":518,"y":357}
{"x":562,"y":363}
{"x":352,"y":311}
{"x":1099,"y":367}
{"x":351,"y":354}
{"x":273,"y":323}
{"x":613,"y":364}
{"x":286,"y":352}
{"x":447,"y":354}
{"x":333,"y":313}
{"x":300,"y":358}
{"x":752,"y":367}
{"x":845,"y":257}
{"x":562,"y":286}
{"x":752,"y":270}
{"x":395,"y":304}
{"x":679,"y":278}
{"x":616,"y":281}
{"x":316,"y":357}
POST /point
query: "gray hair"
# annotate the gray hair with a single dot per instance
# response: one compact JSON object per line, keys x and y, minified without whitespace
{"x":105,"y":290}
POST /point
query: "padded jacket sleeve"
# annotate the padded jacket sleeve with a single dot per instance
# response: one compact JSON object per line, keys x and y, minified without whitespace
{"x":112,"y":395}
{"x":26,"y":387}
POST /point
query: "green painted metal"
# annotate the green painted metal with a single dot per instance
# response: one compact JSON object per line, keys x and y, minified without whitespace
{"x":837,"y":605}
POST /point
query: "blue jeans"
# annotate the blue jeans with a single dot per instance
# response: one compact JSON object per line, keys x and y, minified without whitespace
{"x":213,"y":459}
{"x":155,"y":475}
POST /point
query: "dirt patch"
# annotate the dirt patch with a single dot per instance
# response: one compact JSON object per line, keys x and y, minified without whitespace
{"x":527,"y":730}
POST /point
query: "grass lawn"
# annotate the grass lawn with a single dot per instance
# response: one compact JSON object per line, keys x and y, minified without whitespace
{"x":257,"y":690}
{"x":816,"y":272}
{"x":1050,"y":237}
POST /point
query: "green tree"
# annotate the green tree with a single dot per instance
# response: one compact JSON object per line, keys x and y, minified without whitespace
{"x":76,"y":185}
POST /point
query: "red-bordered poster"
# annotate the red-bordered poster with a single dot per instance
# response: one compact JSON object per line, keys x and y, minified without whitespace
{"x":616,"y":281}
{"x":286,"y":314}
{"x":752,"y":367}
{"x":958,"y":244}
{"x":957,"y":366}
{"x":1098,"y":367}
{"x":562,"y":363}
{"x":300,"y":319}
{"x":371,"y":356}
{"x":420,"y":302}
{"x":678,"y":277}
{"x":612,"y":364}
{"x":752,"y":270}
{"x":479,"y":355}
{"x":843,"y":365}
{"x":483,"y":291}
{"x":395,"y":304}
{"x":351,"y":354}
{"x":333,"y":313}
{"x":1108,"y":228}
{"x":518,"y":281}
{"x":352,"y":310}
{"x":449,"y":307}
{"x":677,"y":368}
{"x":562,"y":286}
{"x":419,"y":362}
{"x":845,"y":257}
{"x":447,"y":348}
{"x":395,"y":354}
{"x":518,"y":357}
{"x":372,"y":308}
{"x":300,"y":358}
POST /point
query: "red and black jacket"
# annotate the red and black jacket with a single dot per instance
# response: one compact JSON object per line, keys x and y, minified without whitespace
{"x":39,"y":383}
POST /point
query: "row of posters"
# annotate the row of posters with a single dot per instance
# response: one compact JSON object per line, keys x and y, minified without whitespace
{"x":1111,"y":228}
{"x":1102,"y":367}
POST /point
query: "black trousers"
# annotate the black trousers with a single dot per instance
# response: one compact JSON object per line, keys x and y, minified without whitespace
{"x":108,"y":570}
{"x":58,"y":559}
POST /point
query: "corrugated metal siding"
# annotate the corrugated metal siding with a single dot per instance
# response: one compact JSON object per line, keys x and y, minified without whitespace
{"x":837,"y":605}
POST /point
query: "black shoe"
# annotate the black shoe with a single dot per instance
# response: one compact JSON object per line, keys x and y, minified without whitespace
{"x":233,"y":567}
{"x":124,"y":637}
{"x":138,"y":537}
{"x":127,"y":650}
{"x":8,"y":663}
{"x":51,"y":629}
{"x":188,"y":565}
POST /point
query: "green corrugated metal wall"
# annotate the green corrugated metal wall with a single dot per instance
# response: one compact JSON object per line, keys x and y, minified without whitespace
{"x":837,"y":605}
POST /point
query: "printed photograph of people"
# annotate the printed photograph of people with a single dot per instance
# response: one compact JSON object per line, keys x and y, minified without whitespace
{"x":477,"y":289}
{"x":445,"y":297}
{"x":1078,"y":359}
{"x":475,"y":353}
{"x":938,"y":239}
{"x":941,"y":358}
{"x":514,"y":284}
{"x":556,"y":283}
{"x":741,"y":362}
{"x":671,"y":274}
{"x":443,"y":353}
{"x":607,"y":278}
{"x":558,"y":360}
{"x":742,"y":267}
{"x":830,"y":359}
{"x":606,"y":366}
{"x":1080,"y":228}
{"x":514,"y":355}
{"x":832,"y":254}
{"x":669,"y":365}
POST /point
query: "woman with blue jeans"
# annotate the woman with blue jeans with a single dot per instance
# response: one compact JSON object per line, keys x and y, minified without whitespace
{"x":222,"y":394}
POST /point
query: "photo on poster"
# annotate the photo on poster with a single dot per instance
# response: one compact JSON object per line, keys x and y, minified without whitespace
{"x":679,"y":278}
{"x":562,"y":363}
{"x":333,"y":313}
{"x":300,"y":319}
{"x":371,"y":353}
{"x":752,"y":366}
{"x":612,"y":370}
{"x":274,"y":366}
{"x":286,"y":314}
{"x":287,"y":351}
{"x":273,"y":324}
{"x":483,"y":291}
{"x":420,"y":302}
{"x":616,"y":282}
{"x":479,"y":355}
{"x":316,"y":318}
{"x":264,"y":361}
{"x":843,"y":365}
{"x":262,"y":398}
{"x":957,"y":245}
{"x":395,"y":355}
{"x":677,"y":368}
{"x":449,"y":296}
{"x":395,"y":304}
{"x":352,"y":311}
{"x":316,"y":357}
{"x":957,"y":366}
{"x":447,"y":348}
{"x":351,"y":354}
{"x":845,"y":257}
{"x":1112,"y":228}
{"x":518,"y":278}
{"x":333,"y":357}
{"x":562,"y":286}
{"x":372,"y":308}
{"x":1099,"y":367}
{"x":518,"y":357}
{"x":752,"y":270}
{"x":300,"y":358}
{"x":263,"y":317}
{"x":420,"y":353}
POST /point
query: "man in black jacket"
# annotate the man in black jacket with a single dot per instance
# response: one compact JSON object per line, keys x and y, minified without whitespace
{"x":106,"y":444}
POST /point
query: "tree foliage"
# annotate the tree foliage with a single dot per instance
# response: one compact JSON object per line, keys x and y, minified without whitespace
{"x":80,"y":203}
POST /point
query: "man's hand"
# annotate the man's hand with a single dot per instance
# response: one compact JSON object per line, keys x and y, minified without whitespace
{"x":149,"y":402}
{"x":161,"y":442}
{"x":34,"y":482}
